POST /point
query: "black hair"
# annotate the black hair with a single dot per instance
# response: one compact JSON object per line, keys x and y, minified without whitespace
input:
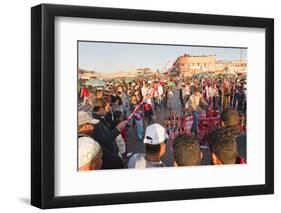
{"x":117,"y":114}
{"x":152,"y":149}
{"x":223,"y":145}
{"x":96,"y":109}
{"x":186,"y":150}
{"x":119,"y":100}
{"x":196,"y":89}
{"x":113,"y":99}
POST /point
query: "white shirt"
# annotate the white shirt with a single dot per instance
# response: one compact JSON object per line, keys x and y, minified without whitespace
{"x":160,"y":90}
{"x":144,"y":91}
{"x":138,"y":161}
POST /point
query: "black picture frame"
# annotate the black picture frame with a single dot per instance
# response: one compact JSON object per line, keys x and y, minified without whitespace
{"x":43,"y":105}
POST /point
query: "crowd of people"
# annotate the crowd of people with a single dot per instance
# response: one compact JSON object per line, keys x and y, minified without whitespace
{"x":102,"y":132}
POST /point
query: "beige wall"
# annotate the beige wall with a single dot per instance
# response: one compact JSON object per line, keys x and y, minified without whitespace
{"x":189,"y":65}
{"x":87,"y":74}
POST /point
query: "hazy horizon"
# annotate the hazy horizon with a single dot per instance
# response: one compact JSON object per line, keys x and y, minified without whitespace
{"x":114,"y":57}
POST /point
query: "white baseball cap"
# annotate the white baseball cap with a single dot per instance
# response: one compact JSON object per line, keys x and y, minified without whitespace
{"x":88,"y":149}
{"x":85,"y":117}
{"x":155,"y":134}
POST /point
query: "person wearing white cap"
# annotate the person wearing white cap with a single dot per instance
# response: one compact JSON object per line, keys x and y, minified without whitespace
{"x":86,"y":125}
{"x":90,"y":154}
{"x":155,"y":146}
{"x":86,"y":122}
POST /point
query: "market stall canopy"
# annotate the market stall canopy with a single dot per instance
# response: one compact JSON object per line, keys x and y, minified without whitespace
{"x":95,"y":83}
{"x":225,"y":75}
{"x":202,"y":75}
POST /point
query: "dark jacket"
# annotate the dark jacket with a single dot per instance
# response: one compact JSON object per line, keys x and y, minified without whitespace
{"x":109,"y":160}
{"x":109,"y":117}
{"x":104,"y":135}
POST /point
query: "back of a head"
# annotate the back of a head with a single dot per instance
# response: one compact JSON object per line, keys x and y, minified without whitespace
{"x":229,"y":117}
{"x":186,"y":150}
{"x":155,"y":136}
{"x":223,"y":145}
{"x":89,"y":153}
{"x":152,"y":149}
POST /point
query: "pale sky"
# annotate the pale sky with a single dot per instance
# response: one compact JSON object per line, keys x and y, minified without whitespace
{"x":108,"y":57}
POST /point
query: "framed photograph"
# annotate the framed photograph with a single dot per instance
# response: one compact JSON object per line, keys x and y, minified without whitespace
{"x":136,"y":106}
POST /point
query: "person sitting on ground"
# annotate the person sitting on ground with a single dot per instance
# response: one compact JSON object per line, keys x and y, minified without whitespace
{"x":186,"y":150}
{"x":223,"y":148}
{"x":89,"y":154}
{"x":155,"y":146}
{"x":230,"y":121}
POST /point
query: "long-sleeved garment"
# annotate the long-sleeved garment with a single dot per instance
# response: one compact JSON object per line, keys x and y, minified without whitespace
{"x":104,"y":135}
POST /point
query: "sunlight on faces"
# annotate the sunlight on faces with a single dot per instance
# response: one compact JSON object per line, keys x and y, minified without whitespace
{"x":86,"y":128}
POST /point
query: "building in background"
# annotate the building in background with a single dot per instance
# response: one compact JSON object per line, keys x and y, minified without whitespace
{"x":86,"y":74}
{"x":121,"y":74}
{"x":188,"y":65}
{"x":185,"y":65}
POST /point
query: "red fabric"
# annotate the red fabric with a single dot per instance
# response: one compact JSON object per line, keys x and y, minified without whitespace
{"x":84,"y":92}
{"x":212,"y":113}
{"x":124,"y":135}
{"x":240,"y":160}
{"x":147,"y":106}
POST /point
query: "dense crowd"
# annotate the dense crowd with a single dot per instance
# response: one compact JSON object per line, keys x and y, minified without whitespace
{"x":102,"y":131}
